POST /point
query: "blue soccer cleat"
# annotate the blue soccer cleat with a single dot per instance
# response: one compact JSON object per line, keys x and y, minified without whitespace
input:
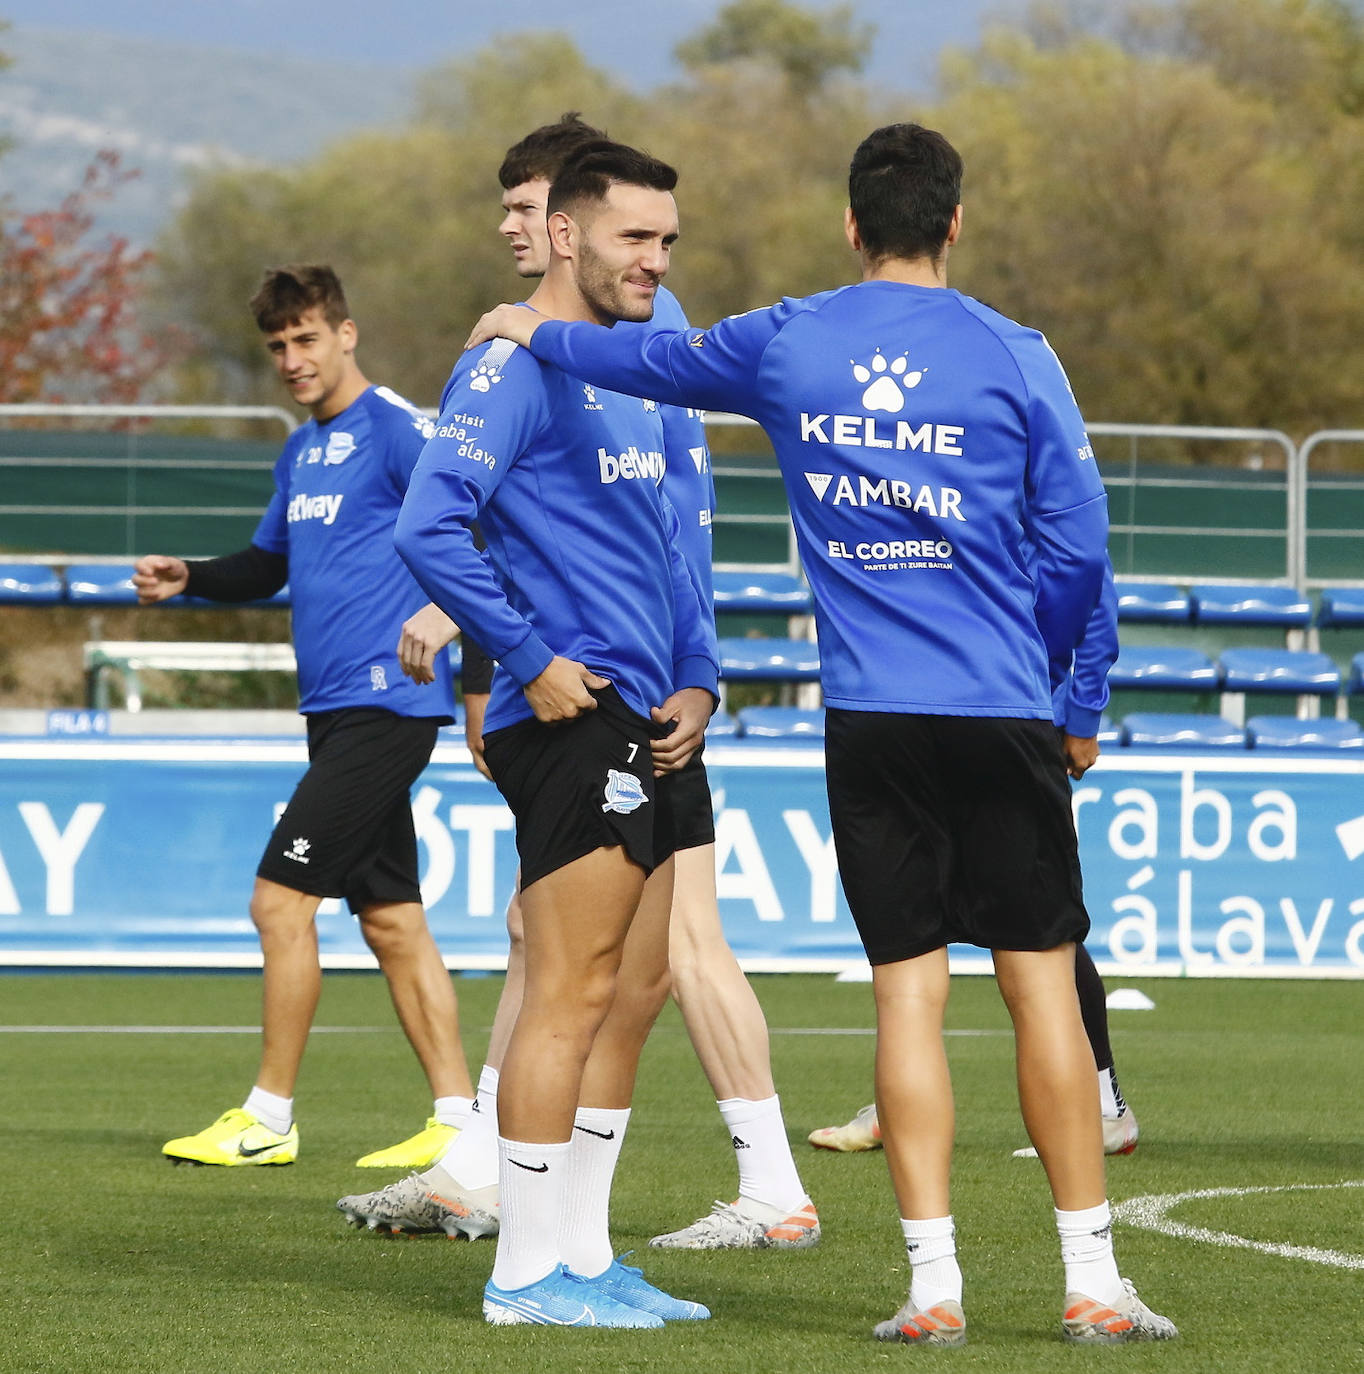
{"x":627,"y":1284}
{"x":561,"y":1298}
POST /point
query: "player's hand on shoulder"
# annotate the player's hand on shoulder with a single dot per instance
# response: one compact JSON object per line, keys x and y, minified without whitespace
{"x":423,"y":636}
{"x":689,"y":710}
{"x":157,"y":577}
{"x":560,"y":692}
{"x":514,"y":322}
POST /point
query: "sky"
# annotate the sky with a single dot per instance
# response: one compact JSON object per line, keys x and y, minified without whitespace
{"x":633,"y":37}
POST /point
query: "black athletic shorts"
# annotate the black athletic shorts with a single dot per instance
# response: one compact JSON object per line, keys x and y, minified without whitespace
{"x":953,"y":829}
{"x":347,"y":831}
{"x":581,"y":785}
{"x":693,"y":810}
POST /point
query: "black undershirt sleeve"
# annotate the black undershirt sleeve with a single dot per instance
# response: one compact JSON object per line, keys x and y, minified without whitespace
{"x":250,"y":575}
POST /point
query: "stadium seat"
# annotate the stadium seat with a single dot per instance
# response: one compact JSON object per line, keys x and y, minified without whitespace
{"x":787,"y":662}
{"x":1284,"y":732}
{"x":761,"y":593}
{"x":1153,"y":603}
{"x":722,"y":726}
{"x":30,"y":584}
{"x":1260,"y":604}
{"x":1354,"y":684}
{"x":1180,"y":730}
{"x":1341,"y":608}
{"x":1110,"y":735}
{"x":100,"y":584}
{"x":1281,"y":672}
{"x":1164,"y":669}
{"x":780,"y":722}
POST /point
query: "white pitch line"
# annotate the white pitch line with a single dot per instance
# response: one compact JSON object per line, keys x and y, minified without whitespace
{"x":1149,"y":1213}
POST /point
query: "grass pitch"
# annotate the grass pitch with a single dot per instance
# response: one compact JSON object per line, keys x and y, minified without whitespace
{"x":117,"y":1261}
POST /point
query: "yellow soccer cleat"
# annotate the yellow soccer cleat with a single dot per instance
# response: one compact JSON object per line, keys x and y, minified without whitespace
{"x":235,"y":1138}
{"x":417,"y":1152}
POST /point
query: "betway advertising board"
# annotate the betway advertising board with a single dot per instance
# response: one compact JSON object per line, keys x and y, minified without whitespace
{"x":116,"y":852}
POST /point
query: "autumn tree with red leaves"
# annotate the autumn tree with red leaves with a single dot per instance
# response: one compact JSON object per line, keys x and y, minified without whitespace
{"x":68,"y":328}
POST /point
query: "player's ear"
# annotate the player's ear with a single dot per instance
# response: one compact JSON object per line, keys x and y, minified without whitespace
{"x":954,"y":229}
{"x":563,"y":234}
{"x":850,"y":230}
{"x":349,"y":334}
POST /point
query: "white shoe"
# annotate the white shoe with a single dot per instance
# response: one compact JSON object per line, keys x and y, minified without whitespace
{"x":1086,"y":1322}
{"x":863,"y":1132}
{"x":1120,"y":1136}
{"x":746,"y":1225}
{"x":411,"y":1207}
{"x":943,"y":1324}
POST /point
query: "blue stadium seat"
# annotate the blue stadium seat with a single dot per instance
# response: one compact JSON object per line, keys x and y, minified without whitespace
{"x":30,"y":584}
{"x":769,"y":660}
{"x":1354,"y":684}
{"x":722,"y":726}
{"x":1110,"y":735}
{"x":1153,"y":603}
{"x":1263,"y":604}
{"x":100,"y":584}
{"x":1295,"y":672}
{"x":1180,"y":730}
{"x":1164,"y":669}
{"x":1283,"y":732}
{"x":780,"y":722}
{"x":1341,"y":608}
{"x":761,"y":593}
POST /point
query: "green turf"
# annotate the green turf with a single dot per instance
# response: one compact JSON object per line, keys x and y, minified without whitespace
{"x":117,"y":1261}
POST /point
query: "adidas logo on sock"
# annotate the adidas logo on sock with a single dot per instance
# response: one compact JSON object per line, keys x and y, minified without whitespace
{"x":740,"y":1144}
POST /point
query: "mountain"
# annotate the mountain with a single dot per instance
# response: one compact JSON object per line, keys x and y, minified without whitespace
{"x":180,"y":88}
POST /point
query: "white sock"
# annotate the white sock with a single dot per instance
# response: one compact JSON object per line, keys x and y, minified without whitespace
{"x":584,"y":1221}
{"x":1087,"y":1252}
{"x":532,"y":1185}
{"x":470,"y":1160}
{"x":453,"y":1111}
{"x":767,"y":1171}
{"x":932,"y":1249}
{"x":1111,"y":1104}
{"x":273,"y":1112}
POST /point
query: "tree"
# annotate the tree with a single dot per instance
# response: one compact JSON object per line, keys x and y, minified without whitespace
{"x":807,"y":46}
{"x":67,"y":324}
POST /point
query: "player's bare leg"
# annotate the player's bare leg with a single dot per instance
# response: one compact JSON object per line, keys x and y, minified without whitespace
{"x":292,"y":981}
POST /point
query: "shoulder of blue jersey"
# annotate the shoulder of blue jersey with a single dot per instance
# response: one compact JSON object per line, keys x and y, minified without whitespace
{"x":400,"y":408}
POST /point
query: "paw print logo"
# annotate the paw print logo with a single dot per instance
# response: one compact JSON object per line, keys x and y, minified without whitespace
{"x":889,"y":382}
{"x":301,"y":846}
{"x":482,"y":377}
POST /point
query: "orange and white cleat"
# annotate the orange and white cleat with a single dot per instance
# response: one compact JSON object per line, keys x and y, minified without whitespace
{"x":943,"y":1324}
{"x":746,"y":1225}
{"x":1087,"y":1322}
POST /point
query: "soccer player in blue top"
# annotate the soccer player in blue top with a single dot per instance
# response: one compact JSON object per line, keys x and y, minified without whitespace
{"x":606,"y":678}
{"x":927,"y":445}
{"x":724,"y":1019}
{"x":348,"y":829}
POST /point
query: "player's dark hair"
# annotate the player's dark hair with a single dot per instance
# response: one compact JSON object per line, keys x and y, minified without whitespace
{"x":286,"y":294}
{"x":903,"y":186}
{"x":540,"y":155}
{"x":589,"y":173}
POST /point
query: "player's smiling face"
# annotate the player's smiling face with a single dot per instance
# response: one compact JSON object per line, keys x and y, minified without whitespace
{"x":623,"y":251}
{"x":314,"y":360}
{"x":524,"y":228}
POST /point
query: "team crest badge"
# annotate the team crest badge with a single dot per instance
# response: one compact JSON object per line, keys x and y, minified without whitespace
{"x":624,"y":792}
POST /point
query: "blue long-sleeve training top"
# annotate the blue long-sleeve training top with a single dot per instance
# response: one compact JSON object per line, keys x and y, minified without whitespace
{"x":582,"y":560}
{"x":949,"y":512}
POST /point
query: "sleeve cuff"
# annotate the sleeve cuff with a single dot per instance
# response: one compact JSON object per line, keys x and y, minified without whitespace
{"x":1082,"y":721}
{"x":697,"y":671}
{"x":528,"y":660}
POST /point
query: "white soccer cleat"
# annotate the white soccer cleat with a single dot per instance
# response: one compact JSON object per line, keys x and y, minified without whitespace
{"x":411,"y":1207}
{"x":1086,"y":1322}
{"x":1120,"y":1136}
{"x":746,"y":1225}
{"x":943,"y":1324}
{"x":863,"y":1132}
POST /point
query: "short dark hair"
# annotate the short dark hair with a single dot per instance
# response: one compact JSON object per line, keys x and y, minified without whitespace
{"x":540,"y":155}
{"x":590,"y":172}
{"x":286,"y":294}
{"x":903,"y":186}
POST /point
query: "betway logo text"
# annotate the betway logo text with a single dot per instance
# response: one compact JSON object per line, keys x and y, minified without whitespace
{"x":863,"y":431}
{"x":323,"y":508}
{"x":939,"y":502}
{"x":631,"y":463}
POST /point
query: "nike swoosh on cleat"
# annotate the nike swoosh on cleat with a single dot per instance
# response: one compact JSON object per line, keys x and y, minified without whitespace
{"x":532,"y":1168}
{"x":259,"y":1150}
{"x":601,"y":1135}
